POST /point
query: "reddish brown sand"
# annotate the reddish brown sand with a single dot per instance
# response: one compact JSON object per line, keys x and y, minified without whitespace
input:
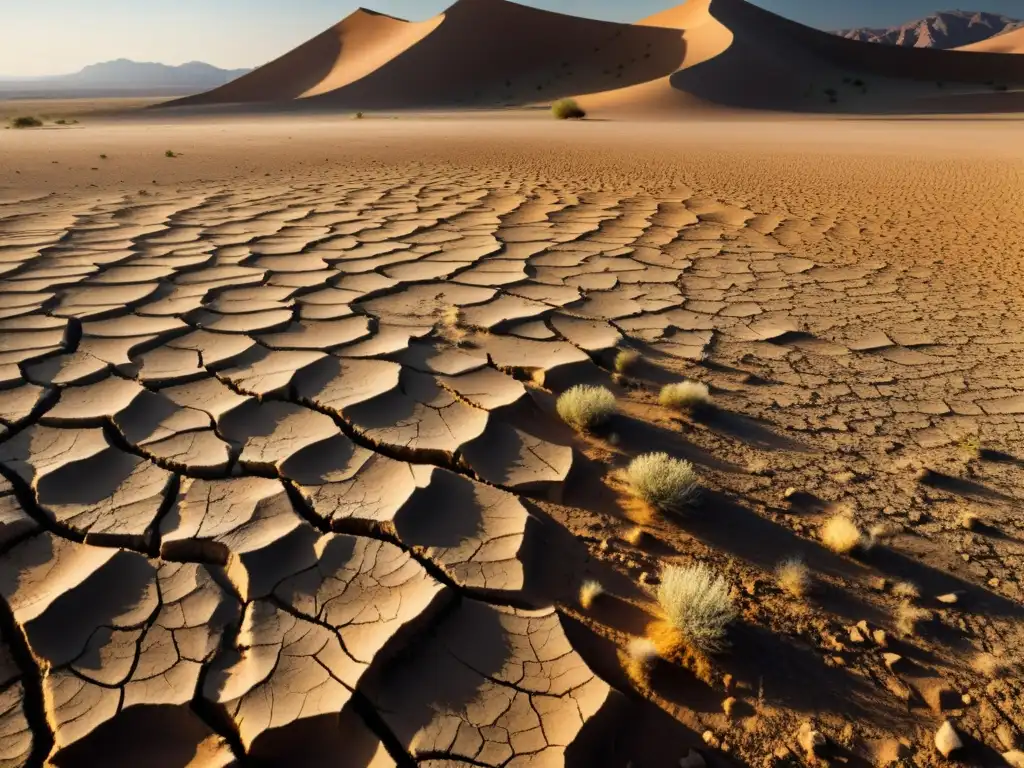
{"x":282,"y":476}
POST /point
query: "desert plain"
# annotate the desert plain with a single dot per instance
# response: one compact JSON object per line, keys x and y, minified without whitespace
{"x":283,"y":477}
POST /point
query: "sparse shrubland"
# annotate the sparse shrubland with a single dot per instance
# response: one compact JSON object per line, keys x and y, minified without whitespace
{"x":626,"y":360}
{"x":585,"y":407}
{"x":663,"y":482}
{"x":697,"y":604}
{"x":567,"y":109}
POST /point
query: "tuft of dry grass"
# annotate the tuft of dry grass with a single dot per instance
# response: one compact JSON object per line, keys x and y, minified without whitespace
{"x":908,"y":617}
{"x":634,"y":536}
{"x":841,"y":534}
{"x":641,"y":655}
{"x":794,"y":577}
{"x":567,"y":109}
{"x":991,"y":666}
{"x":589,"y":593}
{"x":685,"y":396}
{"x":626,"y":361}
{"x":449,"y":326}
{"x":906,"y":590}
{"x":696,"y":603}
{"x":662,"y":482}
{"x":586,"y":407}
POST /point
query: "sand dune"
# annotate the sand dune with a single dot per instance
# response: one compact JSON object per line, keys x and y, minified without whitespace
{"x":721,"y":53}
{"x":1011,"y":42}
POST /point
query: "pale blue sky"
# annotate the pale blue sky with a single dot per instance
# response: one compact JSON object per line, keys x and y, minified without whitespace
{"x":59,"y":36}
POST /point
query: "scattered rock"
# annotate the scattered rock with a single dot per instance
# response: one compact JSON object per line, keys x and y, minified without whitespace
{"x":949,"y":599}
{"x":856,"y":636}
{"x":881,"y":638}
{"x":710,"y":739}
{"x":789,"y":493}
{"x":729,"y":706}
{"x":692,"y":760}
{"x":810,"y":740}
{"x":947,"y":740}
{"x":892,"y":661}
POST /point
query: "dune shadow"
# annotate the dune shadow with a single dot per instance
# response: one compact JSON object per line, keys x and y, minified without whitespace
{"x":963,"y":487}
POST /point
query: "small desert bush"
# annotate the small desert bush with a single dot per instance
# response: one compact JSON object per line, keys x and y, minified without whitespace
{"x":589,"y":592}
{"x":908,"y":617}
{"x":841,"y":534}
{"x":585,"y":407}
{"x":641,"y":654}
{"x":685,"y":396}
{"x":663,"y":482}
{"x":697,"y":604}
{"x":567,"y":109}
{"x":27,"y":122}
{"x":906,"y":590}
{"x":170,"y":153}
{"x":449,"y":327}
{"x":626,"y":361}
{"x":794,"y":577}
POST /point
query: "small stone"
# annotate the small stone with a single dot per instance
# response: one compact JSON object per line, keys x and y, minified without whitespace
{"x":727,"y":681}
{"x":947,"y":740}
{"x":1014,"y":758}
{"x":810,"y":740}
{"x":892,"y":661}
{"x":881,"y":638}
{"x":789,"y":493}
{"x":729,"y":706}
{"x":949,"y":599}
{"x":856,"y":636}
{"x":604,"y":545}
{"x":993,"y":583}
{"x":916,"y":517}
{"x":692,"y":760}
{"x":644,"y":577}
{"x":879,"y":584}
{"x":967,"y":699}
{"x":710,"y":739}
{"x":965,"y":557}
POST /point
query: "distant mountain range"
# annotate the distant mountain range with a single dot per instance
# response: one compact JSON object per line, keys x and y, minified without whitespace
{"x":123,"y":78}
{"x":944,"y":29}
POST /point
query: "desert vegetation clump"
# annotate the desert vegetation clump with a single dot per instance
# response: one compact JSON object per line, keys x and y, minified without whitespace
{"x":27,"y":121}
{"x":641,"y":654}
{"x":697,"y":605}
{"x":841,"y":534}
{"x":626,"y":361}
{"x":906,"y":590}
{"x":665,"y":483}
{"x":793,"y":577}
{"x":449,"y":326}
{"x":685,"y":396}
{"x":909,"y":617}
{"x":567,"y":109}
{"x":170,"y":153}
{"x":590,"y":592}
{"x":585,"y":407}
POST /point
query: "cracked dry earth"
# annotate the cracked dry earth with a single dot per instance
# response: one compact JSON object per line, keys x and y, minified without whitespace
{"x":267,"y":498}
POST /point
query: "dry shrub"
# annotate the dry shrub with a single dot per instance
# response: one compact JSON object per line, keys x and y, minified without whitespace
{"x":906,"y":590}
{"x":27,"y":122}
{"x":586,"y":407}
{"x":449,"y":326}
{"x":696,"y":602}
{"x":685,"y":396}
{"x":793,"y":576}
{"x":663,"y":482}
{"x":590,"y":592}
{"x":672,"y":646}
{"x":634,"y":536}
{"x":908,"y":617}
{"x":626,"y":360}
{"x":841,"y":534}
{"x":567,"y":109}
{"x":641,"y":655}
